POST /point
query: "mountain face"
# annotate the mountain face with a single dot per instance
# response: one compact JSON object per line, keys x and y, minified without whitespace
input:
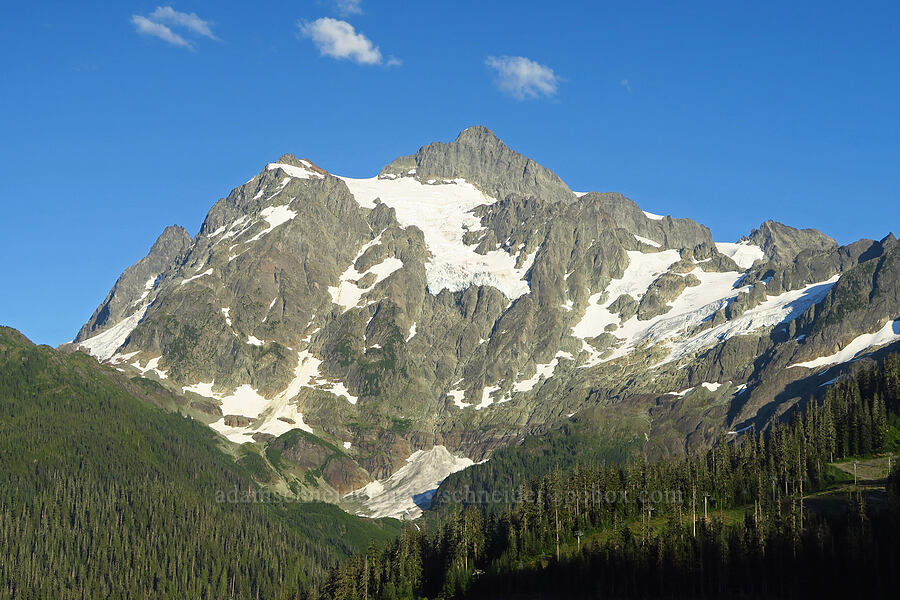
{"x":466,"y":297}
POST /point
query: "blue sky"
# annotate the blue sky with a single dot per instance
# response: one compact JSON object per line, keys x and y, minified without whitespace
{"x":119,"y":118}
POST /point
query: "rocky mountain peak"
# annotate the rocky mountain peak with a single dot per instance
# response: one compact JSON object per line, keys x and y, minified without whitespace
{"x":173,"y":238}
{"x":289,"y":159}
{"x":781,"y":243}
{"x":135,"y":284}
{"x":482,"y":159}
{"x":662,"y":231}
{"x":478,"y":136}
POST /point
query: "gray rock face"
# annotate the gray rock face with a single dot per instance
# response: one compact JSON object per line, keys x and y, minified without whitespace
{"x":866,"y":296}
{"x":811,"y":265}
{"x":668,"y":232}
{"x":479,"y":157}
{"x":781,"y":243}
{"x":665,"y":289}
{"x":137,"y":280}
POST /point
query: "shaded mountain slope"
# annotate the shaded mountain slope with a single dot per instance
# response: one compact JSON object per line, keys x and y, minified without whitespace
{"x":104,"y":495}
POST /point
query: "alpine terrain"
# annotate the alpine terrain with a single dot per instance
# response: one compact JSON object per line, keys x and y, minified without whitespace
{"x":365,"y":338}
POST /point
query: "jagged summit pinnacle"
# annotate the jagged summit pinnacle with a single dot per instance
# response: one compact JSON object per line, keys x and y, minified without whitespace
{"x":300,"y":163}
{"x":288,"y":159}
{"x":478,"y":135}
{"x":135,"y":284}
{"x":171,"y":235}
{"x":481,"y":158}
{"x":782,"y":242}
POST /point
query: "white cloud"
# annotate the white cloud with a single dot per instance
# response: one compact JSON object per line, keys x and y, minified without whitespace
{"x":349,"y":7}
{"x":522,"y":77}
{"x":147,"y":27}
{"x":340,"y":40}
{"x":190,"y":21}
{"x":626,"y":84}
{"x":157,"y":24}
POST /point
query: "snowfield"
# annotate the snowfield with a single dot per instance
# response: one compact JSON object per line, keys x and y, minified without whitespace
{"x":104,"y":344}
{"x":775,"y":310}
{"x":458,"y":398}
{"x":409,"y":490}
{"x":543,"y":371}
{"x":641,"y":271}
{"x":444,"y":213}
{"x":695,"y":305}
{"x":743,"y":253}
{"x":244,"y":400}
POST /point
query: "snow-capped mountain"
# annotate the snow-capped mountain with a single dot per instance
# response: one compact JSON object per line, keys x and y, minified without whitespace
{"x":465,"y":297}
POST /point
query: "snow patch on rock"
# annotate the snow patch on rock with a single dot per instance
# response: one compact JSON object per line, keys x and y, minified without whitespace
{"x":243,"y":401}
{"x":889,"y":333}
{"x":458,"y":397}
{"x":486,"y":394}
{"x":274,"y":216}
{"x":295,"y":171}
{"x":347,"y":293}
{"x":542,"y":371}
{"x":198,"y":276}
{"x":152,"y":366}
{"x":647,"y":241}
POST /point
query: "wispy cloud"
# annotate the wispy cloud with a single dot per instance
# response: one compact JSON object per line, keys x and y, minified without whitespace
{"x":523,"y":78}
{"x":157,"y":24}
{"x":338,"y":39}
{"x":147,"y":27}
{"x":348,"y":7}
{"x":626,"y":84}
{"x":190,"y":21}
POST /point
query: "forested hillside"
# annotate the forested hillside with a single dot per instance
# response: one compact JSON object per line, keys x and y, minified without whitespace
{"x":103,"y":495}
{"x":763,"y":515}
